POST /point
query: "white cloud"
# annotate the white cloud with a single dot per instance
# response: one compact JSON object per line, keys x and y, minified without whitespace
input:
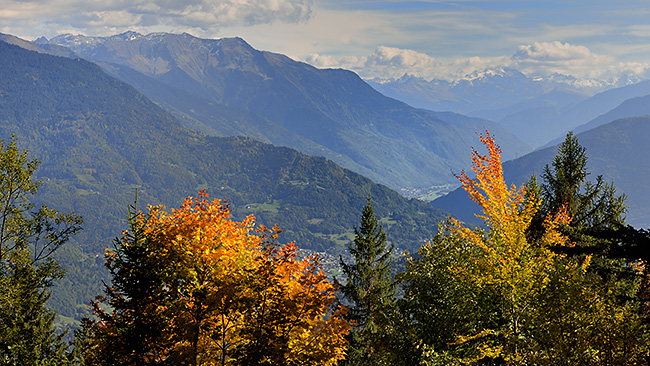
{"x":389,"y":62}
{"x":640,"y":30}
{"x":384,"y":62}
{"x":331,"y":62}
{"x":553,"y":51}
{"x":101,"y":17}
{"x":109,"y":19}
{"x":636,"y":68}
{"x":558,"y":57}
{"x":399,"y":58}
{"x":627,"y":72}
{"x":208,"y":13}
{"x":540,"y":58}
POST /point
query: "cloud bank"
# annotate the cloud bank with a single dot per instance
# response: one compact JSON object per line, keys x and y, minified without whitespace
{"x":537,"y":59}
{"x":104,"y":17}
{"x":436,"y":40}
{"x":387,"y":61}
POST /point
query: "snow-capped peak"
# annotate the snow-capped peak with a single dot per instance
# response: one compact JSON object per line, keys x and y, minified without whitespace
{"x":492,"y":73}
{"x":127,"y":36}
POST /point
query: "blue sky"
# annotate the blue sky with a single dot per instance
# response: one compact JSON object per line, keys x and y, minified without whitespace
{"x":434,"y":39}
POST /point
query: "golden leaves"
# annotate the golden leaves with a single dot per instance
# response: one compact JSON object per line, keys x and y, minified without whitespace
{"x":505,"y":258}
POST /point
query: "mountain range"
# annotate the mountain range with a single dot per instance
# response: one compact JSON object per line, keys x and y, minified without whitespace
{"x":489,"y":92}
{"x":100,"y":141}
{"x":225,"y":87}
{"x":157,"y":131}
{"x":634,"y":107}
{"x":535,"y":109}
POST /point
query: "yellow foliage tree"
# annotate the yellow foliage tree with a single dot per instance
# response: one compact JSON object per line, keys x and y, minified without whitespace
{"x":504,"y":296}
{"x":504,"y":260}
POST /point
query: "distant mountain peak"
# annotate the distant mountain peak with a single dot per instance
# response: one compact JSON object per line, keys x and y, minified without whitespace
{"x":41,"y":47}
{"x":493,"y":73}
{"x":83,"y":44}
{"x":41,"y":40}
{"x":161,"y":53}
{"x":405,"y":79}
{"x":127,"y":36}
{"x":75,"y":42}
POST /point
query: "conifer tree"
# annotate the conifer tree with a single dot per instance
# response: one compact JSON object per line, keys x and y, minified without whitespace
{"x":592,"y":206}
{"x":596,"y":211}
{"x":369,"y":288}
{"x":137,"y":329}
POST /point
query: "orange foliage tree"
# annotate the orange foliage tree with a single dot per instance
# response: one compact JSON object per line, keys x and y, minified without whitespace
{"x":220,"y":292}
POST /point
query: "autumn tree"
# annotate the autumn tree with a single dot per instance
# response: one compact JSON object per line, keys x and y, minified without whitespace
{"x":503,"y":259}
{"x":222,"y":293}
{"x":288,"y":325}
{"x":370,"y":289}
{"x":508,"y":297}
{"x":28,"y":239}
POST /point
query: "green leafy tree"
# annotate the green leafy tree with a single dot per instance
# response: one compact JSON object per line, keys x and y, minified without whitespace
{"x":437,"y":307}
{"x":28,"y":238}
{"x":370,"y":289}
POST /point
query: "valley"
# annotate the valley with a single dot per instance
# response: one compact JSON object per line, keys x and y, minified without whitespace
{"x":135,"y":120}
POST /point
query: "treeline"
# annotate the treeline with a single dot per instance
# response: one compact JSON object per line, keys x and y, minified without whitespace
{"x":553,"y":277}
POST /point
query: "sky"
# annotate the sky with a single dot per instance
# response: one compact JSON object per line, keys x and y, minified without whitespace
{"x":587,"y":39}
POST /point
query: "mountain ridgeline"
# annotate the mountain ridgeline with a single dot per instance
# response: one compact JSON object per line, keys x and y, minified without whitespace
{"x":225,"y":87}
{"x":617,"y":150}
{"x":100,"y":140}
{"x":536,"y":109}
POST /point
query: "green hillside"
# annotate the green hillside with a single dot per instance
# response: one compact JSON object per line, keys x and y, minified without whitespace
{"x":99,"y":140}
{"x":326,"y":112}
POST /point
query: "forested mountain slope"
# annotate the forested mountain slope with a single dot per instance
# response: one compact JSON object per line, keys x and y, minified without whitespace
{"x":617,"y":150}
{"x":332,"y":113}
{"x":99,"y":140}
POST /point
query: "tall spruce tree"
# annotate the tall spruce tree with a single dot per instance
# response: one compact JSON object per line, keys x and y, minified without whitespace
{"x":597,"y":227}
{"x":135,"y":330}
{"x":370,"y":289}
{"x":597,"y":231}
{"x":597,"y":212}
{"x":593,"y":206}
{"x":598,"y":224}
{"x":28,"y":238}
